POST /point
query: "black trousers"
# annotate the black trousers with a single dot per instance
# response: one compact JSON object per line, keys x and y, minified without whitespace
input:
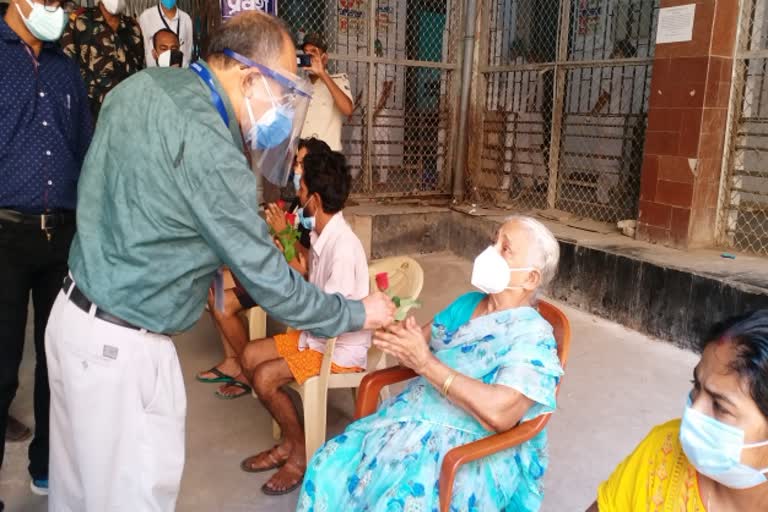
{"x":29,"y":263}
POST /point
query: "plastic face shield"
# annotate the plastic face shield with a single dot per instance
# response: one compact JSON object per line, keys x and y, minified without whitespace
{"x":273,"y":136}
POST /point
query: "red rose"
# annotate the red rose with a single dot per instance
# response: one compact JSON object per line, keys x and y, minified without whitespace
{"x":290,"y":218}
{"x":382,"y":281}
{"x":281,"y":204}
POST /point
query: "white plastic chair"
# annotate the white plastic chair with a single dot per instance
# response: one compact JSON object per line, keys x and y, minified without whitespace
{"x":406,"y":278}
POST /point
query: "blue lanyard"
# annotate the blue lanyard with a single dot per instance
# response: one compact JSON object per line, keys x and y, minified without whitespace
{"x":215,"y":96}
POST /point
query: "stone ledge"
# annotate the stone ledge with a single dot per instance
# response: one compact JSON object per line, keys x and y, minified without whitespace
{"x":671,"y":294}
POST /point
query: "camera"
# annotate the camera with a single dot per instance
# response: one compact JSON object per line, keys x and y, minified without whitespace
{"x":303,"y":60}
{"x":177,"y":58}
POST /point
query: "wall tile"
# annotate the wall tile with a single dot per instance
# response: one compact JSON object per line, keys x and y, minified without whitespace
{"x":724,"y":28}
{"x":653,"y":234}
{"x":661,"y":143}
{"x":664,"y":119}
{"x":675,"y":168}
{"x":713,"y":119}
{"x":648,"y":177}
{"x":690,"y":133}
{"x":655,"y":214}
{"x":701,"y":231}
{"x":712,"y":144}
{"x":691,"y":70}
{"x":679,"y":225}
{"x":674,"y":193}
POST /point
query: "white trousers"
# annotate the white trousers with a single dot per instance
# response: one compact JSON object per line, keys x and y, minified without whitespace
{"x":117,"y":415}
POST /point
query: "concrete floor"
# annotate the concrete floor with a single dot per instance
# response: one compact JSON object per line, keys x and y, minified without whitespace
{"x":618,"y":384}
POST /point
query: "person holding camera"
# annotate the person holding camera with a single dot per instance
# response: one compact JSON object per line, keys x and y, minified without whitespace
{"x":331,"y":95}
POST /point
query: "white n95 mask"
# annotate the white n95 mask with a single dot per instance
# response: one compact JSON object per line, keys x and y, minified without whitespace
{"x":114,"y":6}
{"x":490,"y":273}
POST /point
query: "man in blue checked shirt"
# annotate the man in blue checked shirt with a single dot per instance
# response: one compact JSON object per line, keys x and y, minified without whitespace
{"x":45,"y":129}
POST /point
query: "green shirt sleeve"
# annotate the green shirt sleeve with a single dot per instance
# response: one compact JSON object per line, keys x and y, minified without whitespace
{"x":224,"y":204}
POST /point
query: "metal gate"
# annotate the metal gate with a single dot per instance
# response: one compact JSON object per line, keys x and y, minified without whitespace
{"x":743,"y":219}
{"x":563,"y":101}
{"x":402,"y":61}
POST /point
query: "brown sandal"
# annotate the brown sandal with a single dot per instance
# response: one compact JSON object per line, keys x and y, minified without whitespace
{"x":269,"y":491}
{"x":276,"y":463}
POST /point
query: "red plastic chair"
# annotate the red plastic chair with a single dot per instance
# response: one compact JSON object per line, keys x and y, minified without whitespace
{"x":373,"y":383}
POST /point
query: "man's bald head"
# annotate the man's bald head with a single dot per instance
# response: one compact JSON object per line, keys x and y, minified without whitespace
{"x":253,"y":34}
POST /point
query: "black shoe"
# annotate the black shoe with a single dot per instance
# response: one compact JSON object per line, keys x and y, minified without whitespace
{"x":16,"y":431}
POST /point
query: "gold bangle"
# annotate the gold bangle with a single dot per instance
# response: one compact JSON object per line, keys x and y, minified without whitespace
{"x":448,"y":382}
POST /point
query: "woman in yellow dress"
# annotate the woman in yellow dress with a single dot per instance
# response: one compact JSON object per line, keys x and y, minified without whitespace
{"x":715,"y":458}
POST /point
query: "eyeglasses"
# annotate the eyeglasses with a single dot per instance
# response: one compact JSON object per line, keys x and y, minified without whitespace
{"x":292,"y":85}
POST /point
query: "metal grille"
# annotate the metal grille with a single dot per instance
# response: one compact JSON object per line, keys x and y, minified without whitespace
{"x":744,"y":214}
{"x":564,"y":110}
{"x":401,"y":59}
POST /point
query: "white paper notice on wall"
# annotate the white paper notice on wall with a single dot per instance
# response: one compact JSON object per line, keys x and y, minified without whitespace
{"x":675,"y":24}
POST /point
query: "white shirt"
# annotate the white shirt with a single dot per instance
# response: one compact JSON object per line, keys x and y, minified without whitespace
{"x":337,"y":264}
{"x":151,"y":20}
{"x":324,"y":119}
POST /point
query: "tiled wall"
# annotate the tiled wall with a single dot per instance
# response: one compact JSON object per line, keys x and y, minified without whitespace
{"x":684,"y":144}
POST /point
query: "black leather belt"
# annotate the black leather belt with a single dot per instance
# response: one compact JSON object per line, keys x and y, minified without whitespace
{"x":81,"y":301}
{"x":43,"y":221}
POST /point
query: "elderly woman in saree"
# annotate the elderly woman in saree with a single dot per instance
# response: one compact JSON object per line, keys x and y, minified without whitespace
{"x":485,"y":363}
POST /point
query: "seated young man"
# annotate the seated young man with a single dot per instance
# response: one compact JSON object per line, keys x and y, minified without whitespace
{"x":233,"y":333}
{"x":337,"y":264}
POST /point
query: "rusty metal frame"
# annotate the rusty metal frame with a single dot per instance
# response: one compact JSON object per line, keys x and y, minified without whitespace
{"x":558,"y":103}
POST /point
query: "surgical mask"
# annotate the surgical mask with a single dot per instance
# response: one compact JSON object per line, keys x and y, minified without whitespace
{"x":490,"y":272}
{"x":114,"y":6}
{"x":714,"y":449}
{"x":43,"y":24}
{"x":307,"y":223}
{"x":272,"y":129}
{"x":168,"y":4}
{"x":297,"y":181}
{"x":169,"y":58}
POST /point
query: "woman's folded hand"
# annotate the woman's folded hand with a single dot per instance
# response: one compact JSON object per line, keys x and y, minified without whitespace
{"x":406,"y":342}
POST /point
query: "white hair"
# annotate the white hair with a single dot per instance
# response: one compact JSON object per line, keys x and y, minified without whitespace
{"x":544,"y":251}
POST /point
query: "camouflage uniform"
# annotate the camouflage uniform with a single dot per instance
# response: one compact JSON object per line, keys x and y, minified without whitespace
{"x":106,"y":57}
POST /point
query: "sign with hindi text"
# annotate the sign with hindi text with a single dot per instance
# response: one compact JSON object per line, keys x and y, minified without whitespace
{"x":231,"y":7}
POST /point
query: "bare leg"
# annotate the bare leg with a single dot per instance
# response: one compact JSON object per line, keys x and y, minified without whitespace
{"x":233,"y":334}
{"x":268,"y":378}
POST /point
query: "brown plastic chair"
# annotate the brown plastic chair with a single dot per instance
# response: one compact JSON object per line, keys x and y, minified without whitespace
{"x":372,"y":384}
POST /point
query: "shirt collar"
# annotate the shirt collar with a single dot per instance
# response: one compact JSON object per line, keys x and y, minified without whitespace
{"x":330,"y":232}
{"x":234,"y":126}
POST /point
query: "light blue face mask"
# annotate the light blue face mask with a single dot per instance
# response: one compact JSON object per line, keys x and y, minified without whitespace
{"x":168,"y":4}
{"x":272,"y":129}
{"x":307,"y":223}
{"x":714,"y":449}
{"x":45,"y":25}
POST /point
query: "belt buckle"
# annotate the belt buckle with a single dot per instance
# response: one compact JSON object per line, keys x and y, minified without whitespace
{"x":44,"y":226}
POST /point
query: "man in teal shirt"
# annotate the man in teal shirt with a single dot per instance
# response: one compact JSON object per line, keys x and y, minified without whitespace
{"x":166,"y":197}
